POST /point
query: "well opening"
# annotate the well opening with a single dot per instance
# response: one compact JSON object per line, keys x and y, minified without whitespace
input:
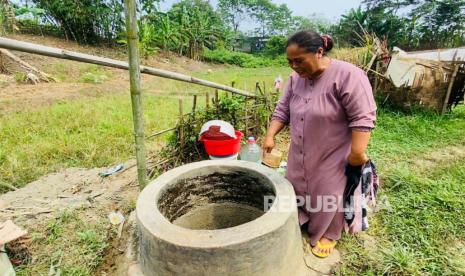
{"x":217,"y":200}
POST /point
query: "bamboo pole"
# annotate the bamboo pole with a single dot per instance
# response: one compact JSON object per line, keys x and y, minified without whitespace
{"x":160,"y":132}
{"x":27,"y":47}
{"x":136,"y":99}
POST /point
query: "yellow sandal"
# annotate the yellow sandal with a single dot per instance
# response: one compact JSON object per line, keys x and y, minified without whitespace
{"x":320,"y":246}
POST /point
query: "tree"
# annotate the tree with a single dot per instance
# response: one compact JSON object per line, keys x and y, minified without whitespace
{"x":199,"y":24}
{"x":349,"y":24}
{"x":314,"y":22}
{"x":429,"y":24}
{"x":166,"y":35}
{"x":234,"y":12}
{"x":85,"y":21}
{"x":443,"y":23}
{"x":272,"y":19}
{"x":275,"y":46}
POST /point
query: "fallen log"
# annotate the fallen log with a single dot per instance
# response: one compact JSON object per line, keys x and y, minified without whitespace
{"x":41,"y":75}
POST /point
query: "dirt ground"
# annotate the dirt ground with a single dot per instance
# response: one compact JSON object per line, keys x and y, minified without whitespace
{"x":80,"y":191}
{"x":45,"y":94}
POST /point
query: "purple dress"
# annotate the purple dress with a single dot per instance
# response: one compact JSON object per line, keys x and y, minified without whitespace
{"x":321,"y":114}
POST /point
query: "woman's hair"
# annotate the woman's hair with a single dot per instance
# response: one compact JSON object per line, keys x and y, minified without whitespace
{"x":311,"y":41}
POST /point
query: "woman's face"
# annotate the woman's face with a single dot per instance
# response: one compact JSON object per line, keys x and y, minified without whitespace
{"x":304,"y":63}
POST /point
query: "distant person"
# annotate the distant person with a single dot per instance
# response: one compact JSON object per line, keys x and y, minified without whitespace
{"x":278,"y":83}
{"x":331,"y":111}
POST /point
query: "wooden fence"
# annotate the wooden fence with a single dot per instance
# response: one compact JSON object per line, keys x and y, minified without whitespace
{"x":251,"y":116}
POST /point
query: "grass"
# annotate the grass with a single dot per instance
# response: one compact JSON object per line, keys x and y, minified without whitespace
{"x":71,"y":245}
{"x":399,"y":136}
{"x":97,"y":132}
{"x":244,"y":78}
{"x":69,"y":71}
{"x":84,"y":133}
{"x":422,"y":233}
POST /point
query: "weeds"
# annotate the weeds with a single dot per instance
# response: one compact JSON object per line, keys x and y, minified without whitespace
{"x":71,"y":246}
{"x":93,"y":74}
{"x":20,"y":77}
{"x":84,"y":133}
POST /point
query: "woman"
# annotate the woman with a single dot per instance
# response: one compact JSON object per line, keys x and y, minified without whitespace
{"x":331,"y":111}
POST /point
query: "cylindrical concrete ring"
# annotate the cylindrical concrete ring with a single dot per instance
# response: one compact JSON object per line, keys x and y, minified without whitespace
{"x":269,"y":244}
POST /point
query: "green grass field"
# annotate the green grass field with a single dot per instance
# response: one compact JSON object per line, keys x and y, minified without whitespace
{"x":422,"y":233}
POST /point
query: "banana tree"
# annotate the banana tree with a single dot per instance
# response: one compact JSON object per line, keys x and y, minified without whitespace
{"x":166,"y":35}
{"x":199,"y":26}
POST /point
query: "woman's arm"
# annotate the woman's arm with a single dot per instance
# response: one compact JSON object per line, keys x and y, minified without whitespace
{"x":280,"y":118}
{"x":274,"y":128}
{"x":357,"y":156}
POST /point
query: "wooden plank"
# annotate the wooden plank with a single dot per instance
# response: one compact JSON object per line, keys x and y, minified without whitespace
{"x":449,"y":89}
{"x":32,"y":48}
{"x":136,"y":98}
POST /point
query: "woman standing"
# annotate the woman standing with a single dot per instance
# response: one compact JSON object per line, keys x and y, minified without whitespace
{"x":331,"y":111}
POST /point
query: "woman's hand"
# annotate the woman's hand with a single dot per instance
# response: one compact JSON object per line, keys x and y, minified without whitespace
{"x":357,"y":156}
{"x":268,"y":144}
{"x":274,"y":128}
{"x":357,"y":159}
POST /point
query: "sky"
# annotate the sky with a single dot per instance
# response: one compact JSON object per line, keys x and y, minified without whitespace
{"x":331,"y":9}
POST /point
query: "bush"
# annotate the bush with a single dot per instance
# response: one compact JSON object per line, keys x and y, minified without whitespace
{"x":276,"y":46}
{"x":241,"y":59}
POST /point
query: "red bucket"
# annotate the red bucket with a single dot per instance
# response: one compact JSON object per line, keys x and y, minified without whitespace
{"x":223,"y":147}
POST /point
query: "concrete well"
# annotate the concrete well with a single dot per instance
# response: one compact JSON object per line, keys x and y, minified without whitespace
{"x":208,"y":218}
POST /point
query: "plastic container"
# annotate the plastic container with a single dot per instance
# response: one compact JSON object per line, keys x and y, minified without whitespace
{"x":251,"y":152}
{"x":227,"y":157}
{"x":223,"y":147}
{"x":273,"y":159}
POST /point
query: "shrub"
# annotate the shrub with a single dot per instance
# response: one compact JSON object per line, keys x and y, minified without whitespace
{"x":20,"y":77}
{"x":276,"y":46}
{"x":224,"y":56}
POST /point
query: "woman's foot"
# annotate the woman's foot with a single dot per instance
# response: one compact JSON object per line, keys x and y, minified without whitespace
{"x":324,"y":247}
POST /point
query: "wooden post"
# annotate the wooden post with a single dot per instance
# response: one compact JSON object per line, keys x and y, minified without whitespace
{"x":246,"y":132}
{"x":181,"y":124}
{"x":375,"y":88}
{"x":207,"y":101}
{"x":136,"y":98}
{"x":194,"y":105}
{"x":217,"y":102}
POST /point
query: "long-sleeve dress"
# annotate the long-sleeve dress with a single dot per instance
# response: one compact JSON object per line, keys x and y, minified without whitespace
{"x":321,"y":114}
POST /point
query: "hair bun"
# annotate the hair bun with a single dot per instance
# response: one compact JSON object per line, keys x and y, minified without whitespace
{"x":327,"y":42}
